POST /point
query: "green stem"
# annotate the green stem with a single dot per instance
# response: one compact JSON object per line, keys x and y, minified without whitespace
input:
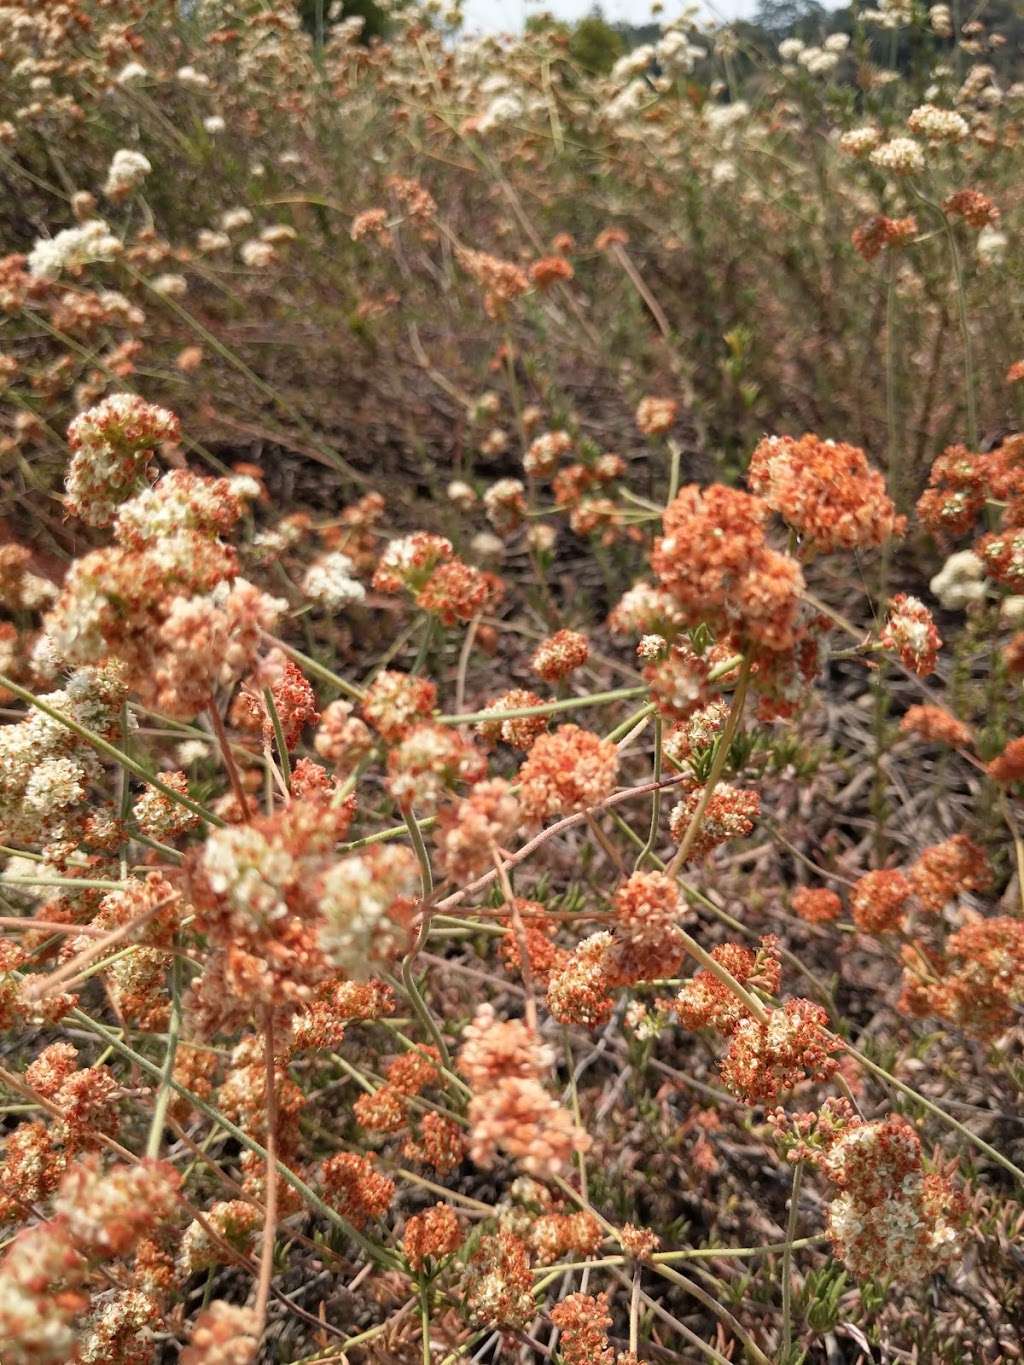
{"x":787,"y":1261}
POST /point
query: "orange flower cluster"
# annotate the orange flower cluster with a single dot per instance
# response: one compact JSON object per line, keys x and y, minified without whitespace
{"x":948,"y":869}
{"x":386,"y":1110}
{"x":678,"y":682}
{"x":583,"y":1320}
{"x":910,"y":630}
{"x":655,"y":416}
{"x":976,"y":982}
{"x":503,"y":1063}
{"x":394,"y":702}
{"x":880,"y":233}
{"x":1008,"y":766}
{"x":816,"y":904}
{"x":428,"y":762}
{"x":935,"y":726}
{"x":877,"y":901}
{"x":976,"y":209}
{"x":560,"y":654}
{"x":467,"y":832}
{"x":715,"y":561}
{"x":568,"y":770}
{"x":431,"y":1235}
{"x":550,"y":270}
{"x":826,"y":491}
{"x":502,"y":281}
{"x":730,"y":814}
{"x":355,"y":1189}
{"x":500,"y":1284}
{"x":518,"y":732}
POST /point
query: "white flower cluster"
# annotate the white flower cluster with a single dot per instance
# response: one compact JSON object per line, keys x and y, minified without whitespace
{"x":45,"y":769}
{"x":250,"y":872}
{"x":357,"y":896}
{"x":938,"y":125}
{"x":331,"y":580}
{"x":960,"y":581}
{"x":72,"y":249}
{"x":899,"y":156}
{"x":890,"y":14}
{"x":127,"y":170}
{"x":860,"y":142}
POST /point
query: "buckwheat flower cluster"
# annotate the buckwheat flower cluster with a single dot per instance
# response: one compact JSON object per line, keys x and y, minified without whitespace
{"x":580,"y":983}
{"x":293,"y":699}
{"x":976,"y":209}
{"x":956,"y":491}
{"x":583,"y":1320}
{"x":936,"y":726}
{"x":877,"y":900}
{"x":544,"y":452}
{"x":566,"y":770}
{"x":467,"y":832}
{"x":697,"y":732}
{"x":947,"y":870}
{"x":235,"y":1221}
{"x":46,"y":772}
{"x":825,"y":490}
{"x":46,"y":1271}
{"x":355,"y":1189}
{"x":705,"y":1001}
{"x":678,"y":682}
{"x":73,"y":249}
{"x":500,"y":1289}
{"x":165,"y":599}
{"x":647,"y":908}
{"x":860,"y":142}
{"x":457,"y":592}
{"x":816,"y":904}
{"x":342,"y":738}
{"x":976,"y":981}
{"x":386,"y":1110}
{"x":224,"y":1334}
{"x":646,"y":609}
{"x":899,"y":156}
{"x":937,"y":125}
{"x":394,"y":702}
{"x":890,"y":1219}
{"x":518,"y":732}
{"x":408,"y":562}
{"x":330,"y":580}
{"x":259,"y":891}
{"x":502,"y":281}
{"x":560,"y":654}
{"x":503,"y":1063}
{"x":161,"y":818}
{"x":715,"y":561}
{"x":910,"y":630}
{"x":366,"y":904}
{"x":730,"y":814}
{"x":127,"y":171}
{"x":762,"y":1060}
{"x":431,"y":1235}
{"x":655,"y":416}
{"x":112,"y":445}
{"x":428,"y":762}
{"x":505,"y":505}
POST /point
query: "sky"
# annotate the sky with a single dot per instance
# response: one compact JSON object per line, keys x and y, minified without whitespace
{"x":496,"y":16}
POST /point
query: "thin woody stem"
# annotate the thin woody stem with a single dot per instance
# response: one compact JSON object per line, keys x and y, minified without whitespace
{"x":229,"y":760}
